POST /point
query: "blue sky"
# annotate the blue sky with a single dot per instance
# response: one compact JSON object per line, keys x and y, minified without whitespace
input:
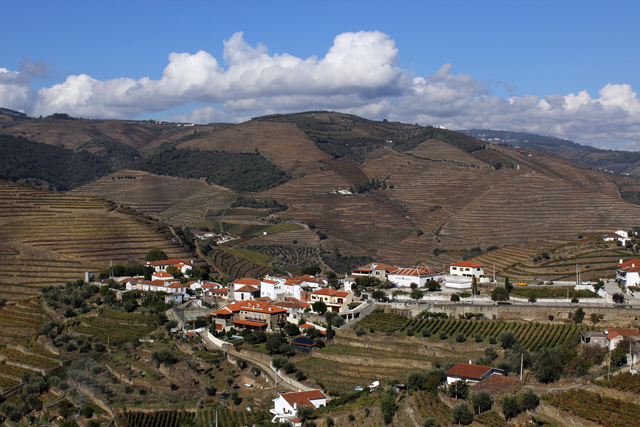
{"x":563,"y":68}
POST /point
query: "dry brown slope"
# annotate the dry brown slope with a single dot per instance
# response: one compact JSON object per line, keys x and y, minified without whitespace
{"x":281,"y":143}
{"x":50,"y":238}
{"x":535,"y":207}
{"x":72,"y":134}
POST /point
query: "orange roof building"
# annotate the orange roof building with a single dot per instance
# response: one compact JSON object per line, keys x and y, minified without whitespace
{"x":253,"y":314}
{"x":286,"y":404}
{"x":469,"y":373}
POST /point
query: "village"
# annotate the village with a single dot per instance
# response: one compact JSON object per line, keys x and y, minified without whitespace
{"x":318,"y":304}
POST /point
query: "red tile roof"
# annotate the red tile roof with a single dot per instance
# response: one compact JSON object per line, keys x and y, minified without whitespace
{"x":249,"y":323}
{"x":161,"y":274}
{"x":248,"y":288}
{"x":249,"y":305}
{"x":330,"y":292}
{"x":630,"y":263}
{"x":466,"y":370}
{"x":414,"y":271}
{"x":625,"y":332}
{"x":303,"y":398}
{"x":376,"y":266}
{"x":467,"y":264}
{"x":252,"y":282}
{"x":495,"y":384}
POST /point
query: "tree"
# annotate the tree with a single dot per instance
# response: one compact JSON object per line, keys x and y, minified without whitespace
{"x":291,"y":329}
{"x":430,"y":422}
{"x":619,"y":356}
{"x":474,"y":286}
{"x":155,"y":255}
{"x":413,"y":286}
{"x":417,"y":294}
{"x":459,"y":389}
{"x":528,"y":399}
{"x":532,"y":299}
{"x":416,"y":380}
{"x":388,"y":407}
{"x":329,"y":332}
{"x":481,"y":400}
{"x":548,"y":365}
{"x":500,"y":294}
{"x":305,"y":411}
{"x":319,"y":307}
{"x":87,"y":411}
{"x":507,"y":339}
{"x":432,"y":285}
{"x":507,"y":287}
{"x":378,"y":295}
{"x":312,"y":270}
{"x":510,"y":406}
{"x":461,"y":414}
{"x":578,"y":317}
{"x":618,"y":298}
{"x":455,"y":298}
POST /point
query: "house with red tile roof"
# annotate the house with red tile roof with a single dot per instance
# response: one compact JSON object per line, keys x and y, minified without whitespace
{"x":286,"y":404}
{"x":470,"y":373}
{"x":336,"y":301}
{"x":467,"y":269}
{"x":294,"y":306}
{"x":164,"y":264}
{"x":375,"y":269}
{"x":628,"y":273}
{"x":246,"y":292}
{"x":261,"y":315}
{"x":404,"y":277}
{"x":619,"y":235}
{"x":615,"y":335}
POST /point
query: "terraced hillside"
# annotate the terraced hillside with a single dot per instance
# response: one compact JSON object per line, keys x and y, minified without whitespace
{"x":420,"y":189}
{"x":176,"y":201}
{"x":50,"y":238}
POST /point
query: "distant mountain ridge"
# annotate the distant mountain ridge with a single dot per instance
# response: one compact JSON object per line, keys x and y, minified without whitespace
{"x":614,"y":161}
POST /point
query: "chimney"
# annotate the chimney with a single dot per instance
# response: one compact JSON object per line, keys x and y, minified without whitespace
{"x":470,"y":362}
{"x":295,"y":406}
{"x":620,"y":261}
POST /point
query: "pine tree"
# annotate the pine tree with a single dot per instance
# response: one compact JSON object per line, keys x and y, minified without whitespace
{"x":506,"y":284}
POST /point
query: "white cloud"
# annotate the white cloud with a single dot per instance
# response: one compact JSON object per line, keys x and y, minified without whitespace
{"x":359,"y":74}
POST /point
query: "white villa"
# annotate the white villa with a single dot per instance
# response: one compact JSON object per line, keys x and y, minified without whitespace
{"x":287,"y":404}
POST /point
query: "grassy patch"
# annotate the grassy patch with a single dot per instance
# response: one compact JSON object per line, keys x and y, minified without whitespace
{"x":252,"y":256}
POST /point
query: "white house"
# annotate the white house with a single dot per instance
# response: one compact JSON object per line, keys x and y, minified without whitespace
{"x":287,"y":404}
{"x":467,"y":269}
{"x":470,"y":373}
{"x":336,"y":301}
{"x":180,"y":264}
{"x":404,"y":277}
{"x":619,"y":235}
{"x":628,"y":273}
{"x":375,"y":269}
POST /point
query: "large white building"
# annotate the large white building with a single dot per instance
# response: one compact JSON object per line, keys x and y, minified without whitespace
{"x":628,"y":273}
{"x":404,"y":277}
{"x":467,"y":269}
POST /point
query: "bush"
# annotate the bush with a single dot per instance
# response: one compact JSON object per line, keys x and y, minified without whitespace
{"x":481,"y":401}
{"x":461,"y":414}
{"x":426,"y":333}
{"x":430,"y":422}
{"x":510,"y":406}
{"x":409,"y":332}
{"x":460,"y":337}
{"x":360,"y":331}
{"x":478,"y":337}
{"x":455,"y":298}
{"x":173,"y":387}
{"x":442,"y":335}
{"x":528,"y":399}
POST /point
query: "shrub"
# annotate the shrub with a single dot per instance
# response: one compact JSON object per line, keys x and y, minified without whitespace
{"x":510,"y":406}
{"x":409,"y":332}
{"x":460,"y":337}
{"x":528,"y":399}
{"x":426,"y":333}
{"x":442,"y":335}
{"x":461,"y":414}
{"x":481,"y":401}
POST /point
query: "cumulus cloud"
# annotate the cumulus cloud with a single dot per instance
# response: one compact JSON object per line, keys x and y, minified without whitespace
{"x":359,"y":74}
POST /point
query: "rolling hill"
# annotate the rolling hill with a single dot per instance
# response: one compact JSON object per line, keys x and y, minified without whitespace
{"x":420,"y":194}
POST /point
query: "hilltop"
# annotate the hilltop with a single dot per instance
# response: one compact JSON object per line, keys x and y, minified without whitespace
{"x":418,"y":194}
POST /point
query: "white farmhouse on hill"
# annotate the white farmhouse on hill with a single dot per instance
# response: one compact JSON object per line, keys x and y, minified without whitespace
{"x":467,"y":269}
{"x":619,"y":235}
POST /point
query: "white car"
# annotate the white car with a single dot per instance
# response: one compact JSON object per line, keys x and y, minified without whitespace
{"x":358,"y":388}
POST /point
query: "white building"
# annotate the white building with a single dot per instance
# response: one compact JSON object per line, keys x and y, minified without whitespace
{"x":467,"y":269}
{"x":404,"y":277}
{"x":628,"y":273}
{"x":287,"y":404}
{"x":619,"y":235}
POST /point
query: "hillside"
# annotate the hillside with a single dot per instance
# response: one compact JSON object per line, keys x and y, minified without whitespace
{"x":50,"y":238}
{"x":422,"y":194}
{"x":613,"y":161}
